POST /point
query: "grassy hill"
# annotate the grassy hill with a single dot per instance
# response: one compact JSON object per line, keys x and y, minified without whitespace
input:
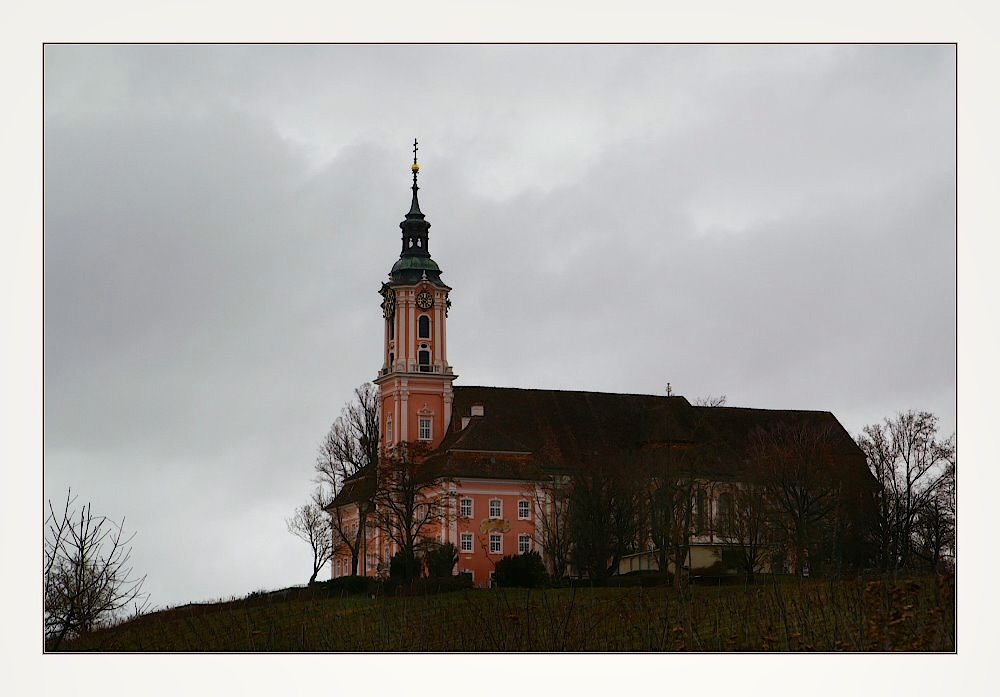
{"x":785,"y":614}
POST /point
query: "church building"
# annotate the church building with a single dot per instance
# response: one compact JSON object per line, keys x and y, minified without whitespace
{"x":494,"y":464}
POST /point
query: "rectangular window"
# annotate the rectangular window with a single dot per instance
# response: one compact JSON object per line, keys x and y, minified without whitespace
{"x":523,"y":544}
{"x":496,"y":543}
{"x":388,"y":430}
{"x":466,"y":542}
{"x":425,"y":428}
{"x":523,"y":510}
{"x":494,"y":508}
{"x":465,"y":508}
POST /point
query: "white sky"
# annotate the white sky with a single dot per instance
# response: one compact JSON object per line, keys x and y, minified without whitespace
{"x":771,"y":222}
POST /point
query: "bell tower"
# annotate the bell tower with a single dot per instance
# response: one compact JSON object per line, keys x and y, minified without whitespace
{"x":415,"y":393}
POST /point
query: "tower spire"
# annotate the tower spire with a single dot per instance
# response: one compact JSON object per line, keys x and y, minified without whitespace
{"x":414,"y":204}
{"x":415,"y":257}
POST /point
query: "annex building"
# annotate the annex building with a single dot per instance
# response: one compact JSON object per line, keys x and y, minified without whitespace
{"x":497,"y":464}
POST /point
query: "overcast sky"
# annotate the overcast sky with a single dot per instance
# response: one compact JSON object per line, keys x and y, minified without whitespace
{"x":772,"y":223}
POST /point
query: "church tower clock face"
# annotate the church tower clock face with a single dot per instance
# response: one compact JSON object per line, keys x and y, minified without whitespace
{"x":414,"y":383}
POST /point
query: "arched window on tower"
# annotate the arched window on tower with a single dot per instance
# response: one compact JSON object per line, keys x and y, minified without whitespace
{"x":423,"y":327}
{"x":424,"y":360}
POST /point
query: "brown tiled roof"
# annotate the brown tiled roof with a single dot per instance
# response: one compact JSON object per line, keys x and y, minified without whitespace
{"x":527,"y":433}
{"x":486,"y":434}
{"x":358,"y":487}
{"x":734,"y":424}
{"x":561,"y":426}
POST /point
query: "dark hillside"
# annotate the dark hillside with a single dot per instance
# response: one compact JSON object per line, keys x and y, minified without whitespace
{"x":785,"y":614}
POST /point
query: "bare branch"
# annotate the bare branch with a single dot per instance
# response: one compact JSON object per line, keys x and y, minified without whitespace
{"x":311,"y":524}
{"x":88,"y":578}
{"x":710,"y":401}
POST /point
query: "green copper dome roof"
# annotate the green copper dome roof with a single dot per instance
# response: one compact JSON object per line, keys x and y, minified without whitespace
{"x":417,"y":263}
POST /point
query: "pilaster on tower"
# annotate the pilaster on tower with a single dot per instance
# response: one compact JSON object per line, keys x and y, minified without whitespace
{"x":415,"y":380}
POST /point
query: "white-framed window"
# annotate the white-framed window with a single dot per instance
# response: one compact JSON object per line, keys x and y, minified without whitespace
{"x":523,"y":509}
{"x":425,"y":428}
{"x":495,"y":509}
{"x":466,"y":543}
{"x":465,"y":508}
{"x":496,"y":543}
{"x":388,"y":430}
{"x":423,"y":327}
{"x":523,"y":543}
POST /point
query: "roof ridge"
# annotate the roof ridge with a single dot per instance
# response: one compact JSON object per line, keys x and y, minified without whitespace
{"x":564,"y":391}
{"x":768,"y":409}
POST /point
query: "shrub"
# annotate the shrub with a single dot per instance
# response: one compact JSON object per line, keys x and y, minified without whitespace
{"x":520,"y":571}
{"x":398,"y":586}
{"x":351,"y":585}
{"x":441,"y":560}
{"x":404,"y":566}
{"x":443,"y":584}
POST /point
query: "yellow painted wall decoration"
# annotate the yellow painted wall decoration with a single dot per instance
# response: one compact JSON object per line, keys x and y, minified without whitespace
{"x":488,"y":526}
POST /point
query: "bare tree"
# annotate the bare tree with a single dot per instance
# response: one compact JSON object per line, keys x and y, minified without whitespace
{"x":746,"y":526}
{"x":605,"y":504}
{"x":551,"y":503}
{"x":911,"y":465}
{"x":350,"y":450}
{"x":678,"y":504}
{"x":672,"y":518}
{"x":311,"y":524}
{"x":934,"y":533}
{"x":710,"y":401}
{"x":88,"y":579}
{"x":796,"y":467}
{"x":409,"y":503}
